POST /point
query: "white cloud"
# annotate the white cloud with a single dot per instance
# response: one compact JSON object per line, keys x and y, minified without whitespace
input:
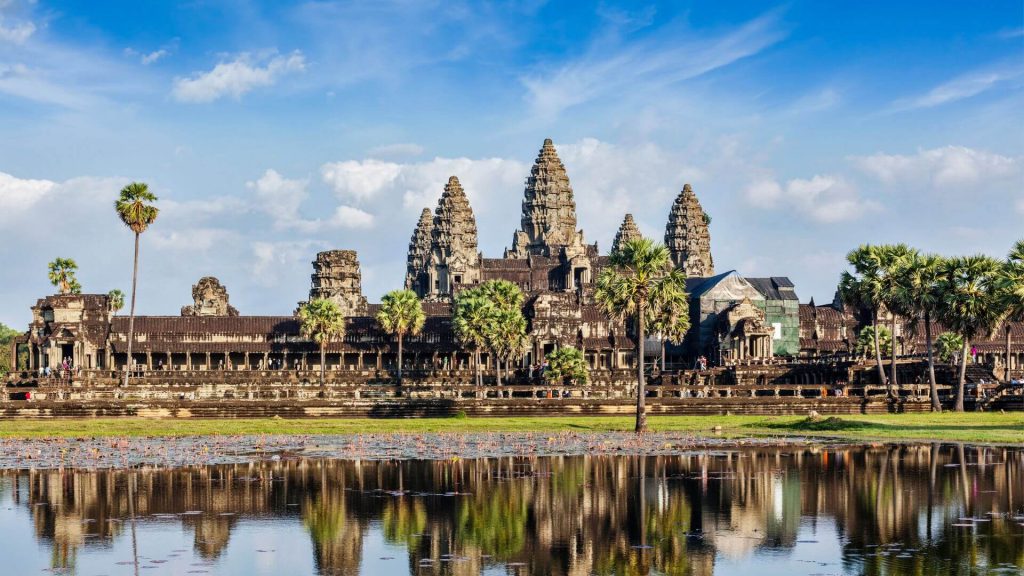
{"x":669,"y":57}
{"x":18,"y":195}
{"x":152,"y":57}
{"x":192,"y":239}
{"x":961,"y":87}
{"x":236,"y":77}
{"x":360,"y":179}
{"x":946,"y":167}
{"x":281,"y":198}
{"x":822,"y":198}
{"x":349,"y":217}
{"x":272,"y":260}
{"x":16,"y":32}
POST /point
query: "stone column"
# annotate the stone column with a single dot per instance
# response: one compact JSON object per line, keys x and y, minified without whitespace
{"x":149,"y":360}
{"x":209,"y":361}
{"x":188,"y":360}
{"x":266,"y":360}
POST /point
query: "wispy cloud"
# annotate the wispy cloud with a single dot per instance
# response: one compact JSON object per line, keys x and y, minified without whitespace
{"x":823,"y":198}
{"x":949,"y":167}
{"x":961,"y":87}
{"x":666,"y":58}
{"x":236,"y":77}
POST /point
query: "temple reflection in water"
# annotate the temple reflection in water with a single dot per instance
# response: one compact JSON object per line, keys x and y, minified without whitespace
{"x":923,"y":509}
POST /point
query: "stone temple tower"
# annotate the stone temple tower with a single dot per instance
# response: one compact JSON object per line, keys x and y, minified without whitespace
{"x":416,"y":278}
{"x":627,"y":231}
{"x":687,"y":237}
{"x":454,"y":259}
{"x":336,"y":276}
{"x":549,"y":211}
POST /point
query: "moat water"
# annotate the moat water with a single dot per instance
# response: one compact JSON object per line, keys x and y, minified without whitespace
{"x":754,"y":511}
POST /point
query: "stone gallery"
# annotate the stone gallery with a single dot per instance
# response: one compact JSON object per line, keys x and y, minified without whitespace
{"x":735,"y":320}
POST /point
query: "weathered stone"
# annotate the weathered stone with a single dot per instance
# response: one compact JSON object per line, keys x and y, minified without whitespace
{"x":549,"y":210}
{"x":687,"y":237}
{"x":454,"y":259}
{"x":627,"y":231}
{"x":336,"y":277}
{"x":416,"y":278}
{"x":210,"y":298}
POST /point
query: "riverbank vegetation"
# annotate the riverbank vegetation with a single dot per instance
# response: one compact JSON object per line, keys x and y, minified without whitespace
{"x":948,"y":427}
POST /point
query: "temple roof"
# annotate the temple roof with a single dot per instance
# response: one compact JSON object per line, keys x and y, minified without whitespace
{"x":774,"y":288}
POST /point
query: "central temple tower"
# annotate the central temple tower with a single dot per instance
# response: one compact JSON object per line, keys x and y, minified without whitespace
{"x":549,"y":210}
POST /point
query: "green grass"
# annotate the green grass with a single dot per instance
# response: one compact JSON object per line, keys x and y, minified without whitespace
{"x":969,"y":427}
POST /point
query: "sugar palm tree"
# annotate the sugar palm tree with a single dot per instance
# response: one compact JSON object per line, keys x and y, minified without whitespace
{"x":134,"y":207}
{"x":401,"y":314}
{"x":670,"y":316}
{"x":969,"y":305}
{"x":894,"y":259}
{"x":507,"y":333}
{"x":567,"y":363}
{"x":640,"y":270}
{"x":472,"y":319}
{"x":920,"y":296}
{"x":322,"y":321}
{"x":863,"y":289}
{"x":1010,"y":291}
{"x":62,"y":276}
{"x":115,"y":300}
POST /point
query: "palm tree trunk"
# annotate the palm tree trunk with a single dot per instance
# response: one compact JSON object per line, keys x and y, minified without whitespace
{"x":131,"y":313}
{"x":476,"y":362}
{"x":497,"y":369}
{"x":959,"y":406}
{"x":399,"y":358}
{"x":663,"y":354}
{"x":641,"y":393}
{"x":932,"y":387}
{"x":323,"y":362}
{"x":892,"y":370}
{"x":1006,"y":375}
{"x":878,"y":349}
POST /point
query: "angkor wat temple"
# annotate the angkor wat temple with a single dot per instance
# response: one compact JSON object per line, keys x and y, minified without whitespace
{"x":736,"y":320}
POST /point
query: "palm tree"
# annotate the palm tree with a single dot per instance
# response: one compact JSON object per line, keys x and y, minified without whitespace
{"x":507,"y":335}
{"x":400,"y":314}
{"x":472,"y":320}
{"x":863,"y":289}
{"x":920,"y":297}
{"x":640,"y":271}
{"x":894,"y":259}
{"x":115,"y":300}
{"x":322,"y":321}
{"x":670,"y":317}
{"x":62,"y":275}
{"x":1010,"y":289}
{"x":567,"y":363}
{"x":969,"y":305}
{"x":133,"y":207}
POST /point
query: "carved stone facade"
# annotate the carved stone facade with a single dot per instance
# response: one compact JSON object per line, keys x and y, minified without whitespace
{"x":627,"y":231}
{"x":453,"y":260}
{"x":210,"y":298}
{"x":687,"y":237}
{"x":416,"y":277}
{"x":336,"y":277}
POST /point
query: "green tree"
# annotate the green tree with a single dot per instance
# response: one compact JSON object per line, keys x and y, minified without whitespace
{"x":135,"y":209}
{"x":921,"y":298}
{"x":506,"y":338}
{"x":472,"y":319}
{"x":895,"y":260}
{"x":1010,"y":295}
{"x":401,"y":314}
{"x":948,"y":345}
{"x":969,"y":304}
{"x":567,"y":363}
{"x":863,"y":289}
{"x":115,"y":299}
{"x":669,"y":316}
{"x":62,"y":275}
{"x":639,"y":271}
{"x":322,"y":321}
{"x":865,"y":345}
{"x":7,"y":335}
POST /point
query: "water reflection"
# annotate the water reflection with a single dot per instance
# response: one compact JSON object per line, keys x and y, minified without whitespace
{"x":925,"y":509}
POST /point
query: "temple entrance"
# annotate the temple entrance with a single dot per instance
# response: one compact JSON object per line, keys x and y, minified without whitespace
{"x":68,"y":351}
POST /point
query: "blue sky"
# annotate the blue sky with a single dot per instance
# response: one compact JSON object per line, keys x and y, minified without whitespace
{"x":272,"y":131}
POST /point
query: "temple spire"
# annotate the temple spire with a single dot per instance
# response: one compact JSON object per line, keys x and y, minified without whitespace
{"x":687,"y":236}
{"x":627,"y":231}
{"x":454,"y":258}
{"x":549,"y":210}
{"x":419,"y":252}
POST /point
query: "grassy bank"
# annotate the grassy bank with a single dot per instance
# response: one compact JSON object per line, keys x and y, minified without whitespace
{"x":969,"y":427}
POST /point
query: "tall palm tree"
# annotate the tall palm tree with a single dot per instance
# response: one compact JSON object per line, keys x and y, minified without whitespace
{"x":894,"y":259}
{"x":134,"y":207}
{"x":669,"y":316}
{"x":640,"y":271}
{"x":322,"y":321}
{"x":1010,"y":289}
{"x":62,"y":276}
{"x":969,"y":305}
{"x":401,"y":314}
{"x":920,"y":296}
{"x":472,"y":319}
{"x":115,"y":300}
{"x":507,"y":334}
{"x":863,"y":289}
